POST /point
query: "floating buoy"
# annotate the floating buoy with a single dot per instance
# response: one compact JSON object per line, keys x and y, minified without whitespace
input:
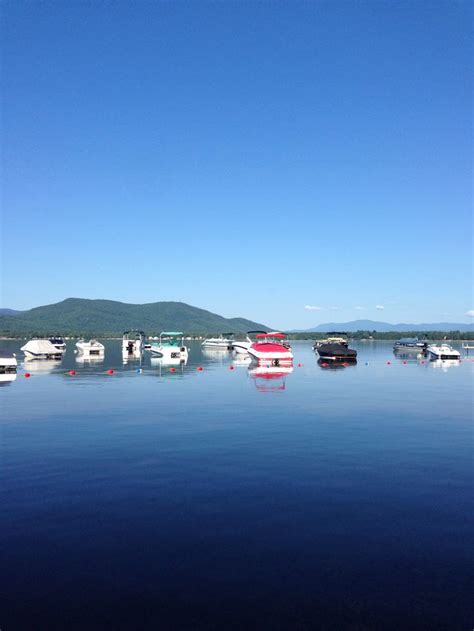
{"x":27,"y":374}
{"x":366,"y":363}
{"x":200,"y":368}
{"x":404,"y":362}
{"x":388,"y":363}
{"x":422,"y":362}
{"x":72,"y":373}
{"x":299,"y":365}
{"x":110,"y":371}
{"x":172,"y":369}
{"x":139,"y":371}
{"x":231,"y":367}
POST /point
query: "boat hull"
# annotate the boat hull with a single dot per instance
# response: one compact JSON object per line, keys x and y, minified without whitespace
{"x":271,"y":352}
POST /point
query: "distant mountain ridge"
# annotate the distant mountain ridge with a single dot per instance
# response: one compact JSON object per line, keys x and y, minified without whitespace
{"x":382,"y":327}
{"x":107,"y":317}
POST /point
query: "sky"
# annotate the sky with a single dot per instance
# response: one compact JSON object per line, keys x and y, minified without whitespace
{"x":293,"y":163}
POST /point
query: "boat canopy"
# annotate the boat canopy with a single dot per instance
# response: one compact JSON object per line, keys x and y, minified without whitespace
{"x":171,"y":333}
{"x":254,"y":332}
{"x":134,"y":331}
{"x":408,"y":340}
{"x":280,"y":336}
{"x":336,"y":333}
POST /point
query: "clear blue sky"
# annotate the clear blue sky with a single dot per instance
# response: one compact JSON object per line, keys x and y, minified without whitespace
{"x":251,"y":158}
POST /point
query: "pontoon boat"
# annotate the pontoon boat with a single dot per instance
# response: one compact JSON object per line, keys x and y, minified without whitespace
{"x":170,"y":346}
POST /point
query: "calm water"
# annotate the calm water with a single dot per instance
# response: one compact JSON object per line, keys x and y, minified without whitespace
{"x":220,"y":499}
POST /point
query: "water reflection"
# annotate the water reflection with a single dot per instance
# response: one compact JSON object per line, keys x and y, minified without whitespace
{"x":168,"y":365}
{"x":444,"y":364}
{"x":90,"y":360}
{"x":41,"y":365}
{"x":270,"y":378}
{"x":7,"y":378}
{"x":336,"y":365}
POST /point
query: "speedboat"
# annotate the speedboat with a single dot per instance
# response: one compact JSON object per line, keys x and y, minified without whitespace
{"x":336,"y":351}
{"x":58,"y":342}
{"x":443,"y":351}
{"x":8,"y":363}
{"x":133,"y":343}
{"x":224,"y":342}
{"x":272,"y":348}
{"x":92,"y":348}
{"x":333,"y":337}
{"x":41,"y":349}
{"x":170,"y":347}
{"x":409,"y":344}
{"x":241,"y":347}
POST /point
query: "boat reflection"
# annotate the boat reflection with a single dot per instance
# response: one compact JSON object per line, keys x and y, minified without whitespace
{"x":444,"y":364}
{"x":168,"y":365}
{"x":7,"y":378}
{"x":270,"y":378}
{"x":335,"y":365}
{"x":90,"y":360}
{"x":241,"y":360}
{"x":41,"y":365}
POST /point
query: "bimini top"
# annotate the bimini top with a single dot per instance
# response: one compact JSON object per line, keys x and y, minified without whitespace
{"x":135,"y":331}
{"x":277,"y":334}
{"x":171,"y":333}
{"x":336,"y":333}
{"x":254,"y":332}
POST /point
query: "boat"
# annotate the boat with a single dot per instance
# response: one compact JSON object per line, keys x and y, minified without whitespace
{"x":92,"y":348}
{"x":271,"y":347}
{"x":58,"y":342}
{"x":241,"y":347}
{"x":333,"y":337}
{"x":336,"y":351}
{"x":409,"y":344}
{"x":170,"y":347}
{"x":133,"y":343}
{"x":41,"y":349}
{"x":8,"y":363}
{"x":224,"y":342}
{"x":443,"y":351}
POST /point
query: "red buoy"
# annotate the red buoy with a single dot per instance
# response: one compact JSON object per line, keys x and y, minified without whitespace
{"x":172,"y":369}
{"x":72,"y":373}
{"x":27,"y":374}
{"x":231,"y":367}
{"x":199,"y":368}
{"x":110,"y":371}
{"x":389,"y":363}
{"x":404,"y":362}
{"x":299,"y":365}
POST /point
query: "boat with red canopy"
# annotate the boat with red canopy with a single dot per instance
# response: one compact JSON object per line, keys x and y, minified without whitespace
{"x":271,"y":347}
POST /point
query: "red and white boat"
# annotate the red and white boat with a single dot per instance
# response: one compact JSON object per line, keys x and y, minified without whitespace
{"x":272,"y":348}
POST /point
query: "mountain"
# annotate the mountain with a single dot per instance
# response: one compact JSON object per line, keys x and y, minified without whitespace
{"x":106,"y":317}
{"x":9,"y":312}
{"x":373,"y":325}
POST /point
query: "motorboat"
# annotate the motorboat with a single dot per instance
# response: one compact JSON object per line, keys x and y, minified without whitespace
{"x":58,"y":342}
{"x":271,"y":347}
{"x":92,"y":348}
{"x":443,"y":351}
{"x":170,"y":347}
{"x":335,"y":351}
{"x":409,"y":344}
{"x":224,"y":342}
{"x":333,"y":337}
{"x":8,"y":363}
{"x":133,"y":343}
{"x":41,"y":349}
{"x":241,"y":347}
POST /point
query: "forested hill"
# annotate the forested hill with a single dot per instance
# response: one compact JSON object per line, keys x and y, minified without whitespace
{"x":79,"y":316}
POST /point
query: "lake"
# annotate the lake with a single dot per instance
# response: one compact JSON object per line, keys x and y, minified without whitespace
{"x":225,"y":499}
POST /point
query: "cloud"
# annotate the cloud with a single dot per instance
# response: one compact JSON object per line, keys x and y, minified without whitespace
{"x":380,"y":307}
{"x":312,"y":308}
{"x":358,"y":308}
{"x":470,"y":313}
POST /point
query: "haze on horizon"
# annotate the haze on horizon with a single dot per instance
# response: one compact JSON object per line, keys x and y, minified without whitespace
{"x":287,"y":163}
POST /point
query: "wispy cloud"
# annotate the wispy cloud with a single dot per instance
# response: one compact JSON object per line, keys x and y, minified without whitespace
{"x":379,"y":307}
{"x":359,"y":308}
{"x":470,"y":313}
{"x":312,"y":308}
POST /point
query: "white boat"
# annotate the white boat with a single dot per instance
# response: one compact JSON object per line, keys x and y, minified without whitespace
{"x":41,"y":349}
{"x":92,"y":348}
{"x":241,"y":347}
{"x":58,"y":342}
{"x":8,"y":363}
{"x":170,"y":347}
{"x":443,"y":351}
{"x":133,"y":343}
{"x":224,"y":342}
{"x":272,"y":348}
